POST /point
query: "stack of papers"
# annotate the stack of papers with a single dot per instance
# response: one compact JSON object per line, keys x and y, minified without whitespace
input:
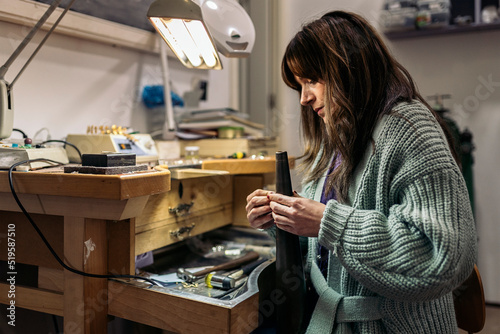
{"x":204,"y":123}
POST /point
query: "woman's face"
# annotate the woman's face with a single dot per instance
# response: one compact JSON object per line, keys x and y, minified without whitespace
{"x":312,"y":94}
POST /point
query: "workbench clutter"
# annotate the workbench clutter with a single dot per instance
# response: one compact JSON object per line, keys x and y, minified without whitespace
{"x":219,"y":277}
{"x":112,"y":139}
{"x":170,"y":151}
{"x":192,"y":123}
{"x":217,"y":264}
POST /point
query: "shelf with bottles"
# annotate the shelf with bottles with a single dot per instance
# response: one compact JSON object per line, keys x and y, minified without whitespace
{"x":424,"y":18}
{"x":446,"y":30}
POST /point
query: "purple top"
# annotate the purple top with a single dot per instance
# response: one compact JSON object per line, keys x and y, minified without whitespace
{"x":323,"y":251}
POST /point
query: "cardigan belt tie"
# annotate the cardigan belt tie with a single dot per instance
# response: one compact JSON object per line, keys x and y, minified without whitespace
{"x":333,"y":307}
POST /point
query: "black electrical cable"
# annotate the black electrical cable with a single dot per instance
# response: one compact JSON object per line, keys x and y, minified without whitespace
{"x":21,"y":131}
{"x":64,"y":142}
{"x":54,"y":254}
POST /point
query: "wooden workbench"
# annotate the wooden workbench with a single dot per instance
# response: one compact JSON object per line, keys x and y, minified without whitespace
{"x":78,"y":214}
{"x":92,"y":222}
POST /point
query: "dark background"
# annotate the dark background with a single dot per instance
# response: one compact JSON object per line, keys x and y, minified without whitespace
{"x":466,"y":7}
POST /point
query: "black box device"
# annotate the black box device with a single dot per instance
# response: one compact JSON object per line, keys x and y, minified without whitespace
{"x":109,"y":159}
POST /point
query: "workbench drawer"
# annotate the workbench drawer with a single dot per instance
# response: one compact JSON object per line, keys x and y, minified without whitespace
{"x":181,"y":312}
{"x":192,"y":206}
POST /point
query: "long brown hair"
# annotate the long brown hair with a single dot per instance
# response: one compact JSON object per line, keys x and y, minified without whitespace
{"x":363,"y":81}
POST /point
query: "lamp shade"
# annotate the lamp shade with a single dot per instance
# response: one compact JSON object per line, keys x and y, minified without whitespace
{"x":230,"y":25}
{"x":180,"y":23}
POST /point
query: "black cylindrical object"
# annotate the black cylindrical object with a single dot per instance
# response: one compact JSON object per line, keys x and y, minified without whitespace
{"x":289,"y":269}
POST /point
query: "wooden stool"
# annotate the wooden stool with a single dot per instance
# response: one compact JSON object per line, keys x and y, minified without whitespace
{"x":469,"y":303}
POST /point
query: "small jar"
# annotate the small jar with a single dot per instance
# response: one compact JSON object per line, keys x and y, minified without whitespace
{"x":192,"y":154}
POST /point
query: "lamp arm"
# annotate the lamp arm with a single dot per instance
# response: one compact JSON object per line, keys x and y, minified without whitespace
{"x":6,"y":100}
{"x":28,"y":38}
{"x":169,"y":127}
{"x":43,"y":40}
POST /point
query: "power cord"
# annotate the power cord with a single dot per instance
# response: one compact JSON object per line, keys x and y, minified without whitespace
{"x":64,"y":142}
{"x":21,"y":132}
{"x":54,"y":254}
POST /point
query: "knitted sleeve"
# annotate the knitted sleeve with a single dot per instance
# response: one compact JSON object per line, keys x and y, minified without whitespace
{"x":408,"y":233}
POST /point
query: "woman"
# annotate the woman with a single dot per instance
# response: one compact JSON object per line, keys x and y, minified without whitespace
{"x":384,"y":206}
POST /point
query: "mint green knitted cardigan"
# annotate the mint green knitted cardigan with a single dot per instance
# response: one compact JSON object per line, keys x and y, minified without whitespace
{"x":405,"y":239}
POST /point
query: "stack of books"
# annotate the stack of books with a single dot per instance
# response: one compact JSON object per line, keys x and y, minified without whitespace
{"x":206,"y":123}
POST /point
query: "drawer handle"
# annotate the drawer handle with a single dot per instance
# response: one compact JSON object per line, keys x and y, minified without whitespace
{"x":181,"y":209}
{"x":179,"y":234}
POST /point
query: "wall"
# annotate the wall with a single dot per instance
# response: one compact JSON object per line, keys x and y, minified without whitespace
{"x":465,"y":66}
{"x":73,"y":83}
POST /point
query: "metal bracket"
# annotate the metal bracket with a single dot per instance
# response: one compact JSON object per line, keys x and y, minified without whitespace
{"x":181,"y":209}
{"x":178,"y":234}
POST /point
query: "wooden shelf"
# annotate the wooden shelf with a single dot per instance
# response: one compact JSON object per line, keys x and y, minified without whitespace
{"x":449,"y":30}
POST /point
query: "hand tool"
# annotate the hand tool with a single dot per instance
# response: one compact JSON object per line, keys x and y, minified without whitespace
{"x":288,"y":261}
{"x":228,"y":281}
{"x":190,"y":277}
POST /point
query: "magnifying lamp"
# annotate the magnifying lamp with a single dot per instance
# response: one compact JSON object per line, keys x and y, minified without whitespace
{"x":198,"y":30}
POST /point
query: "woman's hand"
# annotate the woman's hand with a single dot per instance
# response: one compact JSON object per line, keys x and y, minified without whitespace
{"x":258,"y":210}
{"x":297,"y":215}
